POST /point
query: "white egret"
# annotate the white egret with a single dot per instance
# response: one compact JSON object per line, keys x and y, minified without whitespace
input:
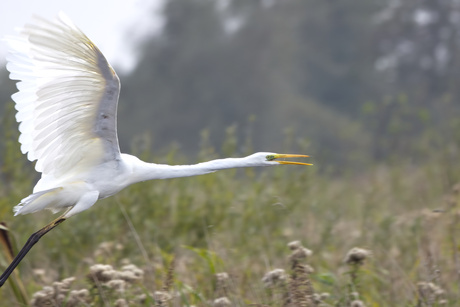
{"x":67,"y":106}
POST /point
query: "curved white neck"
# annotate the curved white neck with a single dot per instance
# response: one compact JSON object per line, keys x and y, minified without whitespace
{"x":143,"y":171}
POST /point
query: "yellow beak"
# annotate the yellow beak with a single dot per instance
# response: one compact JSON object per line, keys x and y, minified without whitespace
{"x":282,"y":156}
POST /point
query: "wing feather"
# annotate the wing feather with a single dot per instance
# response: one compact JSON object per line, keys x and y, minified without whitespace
{"x":67,"y":99}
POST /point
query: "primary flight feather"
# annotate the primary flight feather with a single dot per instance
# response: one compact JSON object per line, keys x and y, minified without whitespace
{"x":67,"y":109}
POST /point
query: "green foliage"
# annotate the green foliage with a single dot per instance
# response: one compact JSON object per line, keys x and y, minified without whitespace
{"x":240,"y":222}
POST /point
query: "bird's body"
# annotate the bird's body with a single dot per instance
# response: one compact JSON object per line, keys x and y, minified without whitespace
{"x":79,"y":190}
{"x":67,"y":110}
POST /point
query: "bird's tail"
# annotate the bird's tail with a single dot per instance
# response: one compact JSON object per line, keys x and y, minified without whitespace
{"x":48,"y":199}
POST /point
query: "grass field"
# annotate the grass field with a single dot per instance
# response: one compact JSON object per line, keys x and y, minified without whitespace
{"x":210,"y":240}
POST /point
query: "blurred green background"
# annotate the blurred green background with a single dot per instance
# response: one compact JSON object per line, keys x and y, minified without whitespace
{"x":359,"y":81}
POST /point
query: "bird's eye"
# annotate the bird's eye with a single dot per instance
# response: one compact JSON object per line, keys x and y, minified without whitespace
{"x":270,"y":157}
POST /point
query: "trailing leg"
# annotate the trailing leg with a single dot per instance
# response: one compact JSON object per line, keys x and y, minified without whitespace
{"x":26,"y":248}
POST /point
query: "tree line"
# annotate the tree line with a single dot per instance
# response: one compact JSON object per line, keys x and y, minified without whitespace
{"x":351,"y":81}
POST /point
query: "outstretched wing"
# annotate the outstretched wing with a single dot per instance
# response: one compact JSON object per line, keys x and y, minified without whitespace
{"x":67,"y":98}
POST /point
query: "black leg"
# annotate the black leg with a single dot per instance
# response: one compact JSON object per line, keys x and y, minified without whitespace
{"x":30,"y":242}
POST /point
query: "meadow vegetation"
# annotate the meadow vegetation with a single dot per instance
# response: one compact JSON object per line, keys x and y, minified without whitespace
{"x":284,"y":236}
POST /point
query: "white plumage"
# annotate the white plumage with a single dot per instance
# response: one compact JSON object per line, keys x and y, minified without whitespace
{"x":67,"y":108}
{"x":66,"y":84}
{"x":67,"y":104}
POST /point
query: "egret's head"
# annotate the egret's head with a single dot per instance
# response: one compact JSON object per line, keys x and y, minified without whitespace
{"x":270,"y":158}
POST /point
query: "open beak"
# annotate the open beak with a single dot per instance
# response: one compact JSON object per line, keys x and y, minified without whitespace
{"x":283,"y":156}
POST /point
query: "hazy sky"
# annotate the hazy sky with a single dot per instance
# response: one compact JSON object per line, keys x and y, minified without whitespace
{"x":113,"y":25}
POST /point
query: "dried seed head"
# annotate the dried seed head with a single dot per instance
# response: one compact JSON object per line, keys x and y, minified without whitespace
{"x":43,"y":297}
{"x":221,"y":302}
{"x":130,"y":273}
{"x":121,"y":302}
{"x":294,"y":245}
{"x":62,"y":286}
{"x":222,"y":283}
{"x":132,"y":267}
{"x":59,"y":287}
{"x":78,"y":298}
{"x":161,"y":296}
{"x":357,"y":256}
{"x":436,"y":290}
{"x":101,"y":273}
{"x":300,"y":253}
{"x":68,"y":281}
{"x":100,"y":267}
{"x":47,"y":290}
{"x":59,"y":294}
{"x":357,"y":303}
{"x":222,"y":277}
{"x":308,"y":268}
{"x":116,"y":284}
{"x":427,"y":289}
{"x":83,"y":293}
{"x":274,"y":278}
{"x":135,"y":272}
{"x":316,"y":298}
{"x":127,"y":276}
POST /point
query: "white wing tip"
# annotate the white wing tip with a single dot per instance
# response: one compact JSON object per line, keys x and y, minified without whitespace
{"x":17,"y":209}
{"x":66,"y":19}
